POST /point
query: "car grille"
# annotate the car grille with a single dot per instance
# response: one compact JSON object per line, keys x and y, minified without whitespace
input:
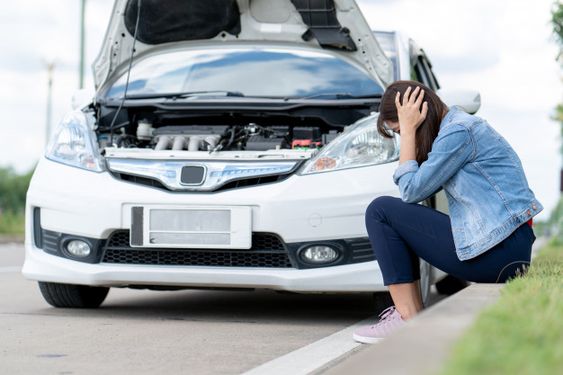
{"x":360,"y":250}
{"x":50,"y":241}
{"x":146,"y":181}
{"x":267,"y":250}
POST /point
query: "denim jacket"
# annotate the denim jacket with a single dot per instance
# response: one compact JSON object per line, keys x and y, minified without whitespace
{"x":487,"y":191}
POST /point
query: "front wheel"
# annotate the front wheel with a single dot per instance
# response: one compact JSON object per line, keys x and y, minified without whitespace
{"x":381,"y":301}
{"x":425,"y":281}
{"x":450,"y":285}
{"x":73,"y":296}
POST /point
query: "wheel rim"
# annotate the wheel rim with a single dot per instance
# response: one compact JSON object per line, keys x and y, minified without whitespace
{"x":424,"y":281}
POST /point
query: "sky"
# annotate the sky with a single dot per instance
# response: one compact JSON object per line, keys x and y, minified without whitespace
{"x":503,"y":49}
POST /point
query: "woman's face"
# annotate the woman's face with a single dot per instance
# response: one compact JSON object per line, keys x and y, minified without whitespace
{"x":393,"y":126}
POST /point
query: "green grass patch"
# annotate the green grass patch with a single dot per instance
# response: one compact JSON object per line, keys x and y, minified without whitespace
{"x":523,"y":332}
{"x":12,"y":223}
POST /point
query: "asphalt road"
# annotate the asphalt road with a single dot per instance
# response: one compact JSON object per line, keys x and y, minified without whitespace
{"x":148,"y":332}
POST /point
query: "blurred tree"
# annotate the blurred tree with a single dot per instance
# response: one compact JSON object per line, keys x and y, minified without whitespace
{"x":13,"y":188}
{"x":557,"y":23}
{"x":556,"y":219}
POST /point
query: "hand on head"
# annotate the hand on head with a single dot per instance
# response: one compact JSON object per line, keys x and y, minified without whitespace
{"x":409,"y":111}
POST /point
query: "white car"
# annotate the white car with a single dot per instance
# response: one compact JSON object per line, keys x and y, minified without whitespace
{"x":230,"y":144}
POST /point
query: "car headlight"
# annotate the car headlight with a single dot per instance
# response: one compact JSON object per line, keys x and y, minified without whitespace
{"x":359,"y":145}
{"x":73,"y":143}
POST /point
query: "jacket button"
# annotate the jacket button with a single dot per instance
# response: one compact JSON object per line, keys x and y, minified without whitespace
{"x":528,"y":212}
{"x":534,"y":206}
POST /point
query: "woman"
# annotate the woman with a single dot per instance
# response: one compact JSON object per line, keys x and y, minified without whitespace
{"x":486,"y":238}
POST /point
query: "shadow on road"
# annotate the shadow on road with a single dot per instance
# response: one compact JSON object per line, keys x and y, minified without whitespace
{"x":261,"y":306}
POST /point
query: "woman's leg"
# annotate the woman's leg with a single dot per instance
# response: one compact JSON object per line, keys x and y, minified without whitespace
{"x":401,"y":232}
{"x":406,"y":297}
{"x":398,"y":263}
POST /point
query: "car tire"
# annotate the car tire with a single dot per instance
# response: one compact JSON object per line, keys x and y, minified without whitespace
{"x":73,"y":296}
{"x":381,"y":301}
{"x":450,"y":285}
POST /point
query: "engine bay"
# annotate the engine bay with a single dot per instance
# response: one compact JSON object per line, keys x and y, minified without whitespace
{"x":152,"y":134}
{"x":222,"y":127}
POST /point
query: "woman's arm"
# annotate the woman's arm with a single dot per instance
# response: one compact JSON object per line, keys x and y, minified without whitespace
{"x":450,"y":151}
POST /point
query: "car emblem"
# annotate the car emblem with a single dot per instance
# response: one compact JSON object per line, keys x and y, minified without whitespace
{"x":193,"y":174}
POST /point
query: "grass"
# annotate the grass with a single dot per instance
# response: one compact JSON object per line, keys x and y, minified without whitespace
{"x":523,"y":332}
{"x":12,"y":223}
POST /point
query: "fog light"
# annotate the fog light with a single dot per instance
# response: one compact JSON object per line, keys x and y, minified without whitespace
{"x":78,"y":248}
{"x":319,"y":254}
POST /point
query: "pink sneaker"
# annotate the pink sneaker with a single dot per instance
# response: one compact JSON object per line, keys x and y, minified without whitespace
{"x":389,"y":321}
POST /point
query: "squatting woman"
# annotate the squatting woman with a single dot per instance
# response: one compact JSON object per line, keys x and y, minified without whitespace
{"x":487,"y":236}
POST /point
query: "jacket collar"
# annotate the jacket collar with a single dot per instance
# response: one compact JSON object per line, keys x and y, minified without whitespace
{"x":448,"y":117}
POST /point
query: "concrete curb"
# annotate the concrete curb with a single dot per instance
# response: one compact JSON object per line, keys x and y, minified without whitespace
{"x":424,"y":344}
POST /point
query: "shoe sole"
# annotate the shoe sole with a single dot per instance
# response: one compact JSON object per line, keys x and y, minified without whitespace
{"x":366,"y":340}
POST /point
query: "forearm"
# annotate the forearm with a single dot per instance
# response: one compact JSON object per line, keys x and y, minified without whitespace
{"x":408,"y":147}
{"x":449,"y":153}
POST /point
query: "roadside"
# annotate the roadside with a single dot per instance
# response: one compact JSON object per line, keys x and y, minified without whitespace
{"x":424,"y":345}
{"x":523,"y":332}
{"x":330,"y":350}
{"x":11,"y":238}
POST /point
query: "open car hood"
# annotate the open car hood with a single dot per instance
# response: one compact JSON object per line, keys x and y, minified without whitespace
{"x":332,"y":24}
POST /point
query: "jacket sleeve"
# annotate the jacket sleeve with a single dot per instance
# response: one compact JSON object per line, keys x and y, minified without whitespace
{"x":449,"y":153}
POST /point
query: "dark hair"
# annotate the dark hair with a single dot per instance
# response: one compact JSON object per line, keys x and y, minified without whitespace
{"x":428,"y":130}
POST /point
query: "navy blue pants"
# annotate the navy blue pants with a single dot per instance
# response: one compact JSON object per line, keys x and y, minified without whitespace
{"x":402,"y":232}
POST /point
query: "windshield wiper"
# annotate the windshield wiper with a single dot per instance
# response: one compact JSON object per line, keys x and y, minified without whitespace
{"x":330,"y":95}
{"x":186,"y":94}
{"x":237,"y":94}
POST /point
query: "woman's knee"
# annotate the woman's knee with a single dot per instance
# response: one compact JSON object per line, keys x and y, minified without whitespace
{"x":379,"y":206}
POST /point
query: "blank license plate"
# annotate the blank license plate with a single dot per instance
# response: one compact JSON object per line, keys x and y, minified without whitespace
{"x":194,"y":227}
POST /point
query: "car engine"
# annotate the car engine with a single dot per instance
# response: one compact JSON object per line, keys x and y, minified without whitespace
{"x":212,"y":138}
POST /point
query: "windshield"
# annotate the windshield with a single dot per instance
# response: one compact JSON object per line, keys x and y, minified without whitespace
{"x":250,"y":71}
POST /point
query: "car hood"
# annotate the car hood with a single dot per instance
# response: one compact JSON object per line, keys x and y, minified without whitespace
{"x":331,"y":24}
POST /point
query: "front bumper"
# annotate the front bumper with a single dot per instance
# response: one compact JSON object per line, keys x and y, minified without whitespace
{"x":318,"y":207}
{"x":349,"y":278}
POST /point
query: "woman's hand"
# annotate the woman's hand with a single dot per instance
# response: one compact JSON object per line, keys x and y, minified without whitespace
{"x":410,"y":117}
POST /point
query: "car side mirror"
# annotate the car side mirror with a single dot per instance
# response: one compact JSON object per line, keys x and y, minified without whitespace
{"x":81,"y":98}
{"x":468,"y":100}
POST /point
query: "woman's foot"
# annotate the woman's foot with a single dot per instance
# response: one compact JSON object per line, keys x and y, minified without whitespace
{"x":389,"y":321}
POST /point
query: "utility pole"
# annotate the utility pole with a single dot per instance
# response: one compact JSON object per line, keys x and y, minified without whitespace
{"x":82,"y":42}
{"x":50,"y":68}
